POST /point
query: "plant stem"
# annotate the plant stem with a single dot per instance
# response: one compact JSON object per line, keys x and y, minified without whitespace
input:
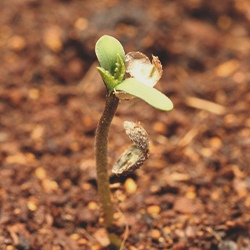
{"x":101,"y":150}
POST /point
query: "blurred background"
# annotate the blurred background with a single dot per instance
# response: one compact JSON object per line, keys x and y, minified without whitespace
{"x":193,"y":191}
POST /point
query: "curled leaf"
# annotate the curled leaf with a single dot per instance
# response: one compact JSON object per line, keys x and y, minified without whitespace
{"x":120,"y":69}
{"x":108,"y":79}
{"x":111,"y":57}
{"x":106,"y":49}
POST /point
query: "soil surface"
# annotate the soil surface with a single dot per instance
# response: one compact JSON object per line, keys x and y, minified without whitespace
{"x":194,"y":190}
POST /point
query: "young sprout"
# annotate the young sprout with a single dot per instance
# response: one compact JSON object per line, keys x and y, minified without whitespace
{"x":144,"y":76}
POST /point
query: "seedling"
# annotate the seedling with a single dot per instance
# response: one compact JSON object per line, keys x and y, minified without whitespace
{"x":144,"y":75}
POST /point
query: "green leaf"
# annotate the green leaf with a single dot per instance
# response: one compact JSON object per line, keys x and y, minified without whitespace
{"x":106,"y":49}
{"x":108,"y":79}
{"x":150,"y":95}
{"x":120,"y":69}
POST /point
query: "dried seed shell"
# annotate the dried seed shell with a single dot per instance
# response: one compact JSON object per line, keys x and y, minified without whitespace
{"x":137,"y":134}
{"x":135,"y":155}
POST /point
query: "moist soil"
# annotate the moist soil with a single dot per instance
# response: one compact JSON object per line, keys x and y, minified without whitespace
{"x":194,"y":190}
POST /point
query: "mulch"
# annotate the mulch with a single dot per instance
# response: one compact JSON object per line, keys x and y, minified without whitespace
{"x":194,"y":190}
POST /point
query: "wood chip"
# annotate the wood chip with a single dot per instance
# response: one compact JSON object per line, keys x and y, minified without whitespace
{"x":227,"y":68}
{"x":179,"y":177}
{"x":188,"y":137}
{"x":205,"y":105}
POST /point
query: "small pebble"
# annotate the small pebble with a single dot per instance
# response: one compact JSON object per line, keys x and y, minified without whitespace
{"x":191,"y":192}
{"x":230,"y":118}
{"x":32,"y":206}
{"x":190,"y":195}
{"x":66,"y":184}
{"x":200,"y":233}
{"x":160,"y":127}
{"x":92,"y":205}
{"x":33,"y":94}
{"x":86,"y":186}
{"x":17,"y":158}
{"x":214,"y":196}
{"x":68,"y":217}
{"x":153,"y":210}
{"x":10,"y":247}
{"x":155,"y":189}
{"x":74,"y":236}
{"x":215,"y":142}
{"x":82,"y":241}
{"x":40,"y":173}
{"x":49,"y":185}
{"x":95,"y":247}
{"x":81,"y":23}
{"x":130,"y":186}
{"x":17,"y":43}
{"x":206,"y":152}
{"x":167,"y":230}
{"x":37,"y":132}
{"x":180,"y":225}
{"x":52,"y":39}
{"x":155,"y":234}
{"x":180,"y":233}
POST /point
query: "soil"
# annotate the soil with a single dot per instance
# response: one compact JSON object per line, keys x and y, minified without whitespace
{"x":194,"y":190}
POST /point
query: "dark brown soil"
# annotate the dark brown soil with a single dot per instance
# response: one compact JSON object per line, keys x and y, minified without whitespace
{"x":192,"y":193}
